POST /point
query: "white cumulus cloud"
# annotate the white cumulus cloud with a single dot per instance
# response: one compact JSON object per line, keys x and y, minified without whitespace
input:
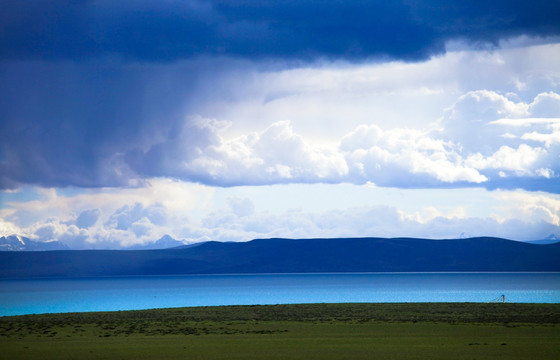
{"x":483,"y":138}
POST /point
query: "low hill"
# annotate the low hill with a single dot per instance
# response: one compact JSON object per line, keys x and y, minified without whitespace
{"x":291,"y":256}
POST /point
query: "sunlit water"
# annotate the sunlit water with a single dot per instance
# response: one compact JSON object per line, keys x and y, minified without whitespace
{"x":145,"y":292}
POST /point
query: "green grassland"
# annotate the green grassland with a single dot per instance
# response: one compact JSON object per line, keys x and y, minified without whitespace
{"x":310,"y":331}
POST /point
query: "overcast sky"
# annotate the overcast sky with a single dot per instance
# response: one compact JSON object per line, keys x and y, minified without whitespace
{"x":124,"y":121}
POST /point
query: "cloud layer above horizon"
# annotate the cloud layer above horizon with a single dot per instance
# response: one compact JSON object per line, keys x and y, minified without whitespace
{"x":123,"y":100}
{"x":392,"y":124}
{"x":117,"y":218}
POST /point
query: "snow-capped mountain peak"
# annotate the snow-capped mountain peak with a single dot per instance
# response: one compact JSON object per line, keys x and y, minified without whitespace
{"x":21,"y":243}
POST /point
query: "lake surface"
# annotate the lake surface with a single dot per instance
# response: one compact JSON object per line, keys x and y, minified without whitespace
{"x":145,"y":292}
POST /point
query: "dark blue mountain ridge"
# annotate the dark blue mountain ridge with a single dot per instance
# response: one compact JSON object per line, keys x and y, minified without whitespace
{"x":291,"y":256}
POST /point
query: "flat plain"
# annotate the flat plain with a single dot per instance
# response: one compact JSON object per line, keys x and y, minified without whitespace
{"x":303,"y":331}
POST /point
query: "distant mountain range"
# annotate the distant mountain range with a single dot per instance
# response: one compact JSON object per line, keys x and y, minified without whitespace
{"x":20,"y":243}
{"x":165,"y":242}
{"x":551,"y":239}
{"x":291,"y":256}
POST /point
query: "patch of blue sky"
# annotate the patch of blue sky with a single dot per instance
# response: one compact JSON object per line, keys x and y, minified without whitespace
{"x":21,"y":194}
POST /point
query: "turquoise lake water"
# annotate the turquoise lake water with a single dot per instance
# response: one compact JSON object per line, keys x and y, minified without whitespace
{"x":145,"y":292}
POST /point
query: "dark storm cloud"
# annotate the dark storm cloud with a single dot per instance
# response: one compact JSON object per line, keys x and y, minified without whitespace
{"x":66,"y":123}
{"x":58,"y":120}
{"x":92,"y":92}
{"x":172,"y":30}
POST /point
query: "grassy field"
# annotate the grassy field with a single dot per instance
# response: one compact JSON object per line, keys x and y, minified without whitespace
{"x":311,"y":331}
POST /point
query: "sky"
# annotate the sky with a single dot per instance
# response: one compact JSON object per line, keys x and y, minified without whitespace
{"x":121,"y":122}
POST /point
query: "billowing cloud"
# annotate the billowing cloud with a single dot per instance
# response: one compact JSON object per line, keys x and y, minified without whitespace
{"x":199,"y":152}
{"x":406,"y":158}
{"x":121,"y":122}
{"x":173,"y":30}
{"x":87,"y":218}
{"x":106,"y":218}
{"x":231,"y":122}
{"x":123,"y":221}
{"x":127,"y":216}
{"x":474,"y":145}
{"x":532,"y":207}
{"x":495,"y":143}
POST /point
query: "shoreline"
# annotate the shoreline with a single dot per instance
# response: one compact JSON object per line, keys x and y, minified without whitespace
{"x":407,"y":311}
{"x":426,"y":303}
{"x":21,"y":297}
